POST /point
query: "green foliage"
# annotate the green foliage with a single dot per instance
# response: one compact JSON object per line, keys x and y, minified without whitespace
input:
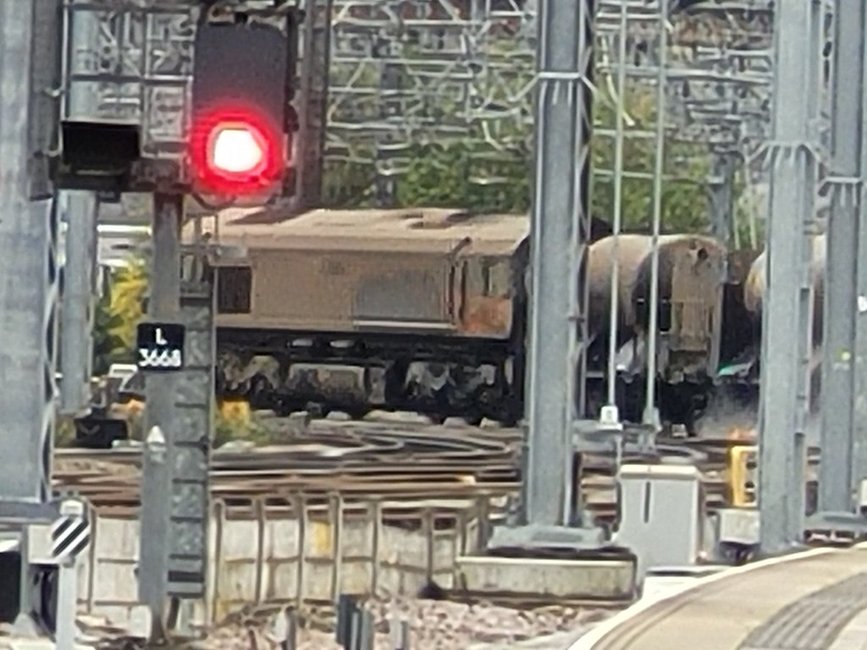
{"x":347,"y":184}
{"x":684,"y":198}
{"x":459,"y":174}
{"x":743,"y":231}
{"x":226,"y":430}
{"x":64,"y":432}
{"x":746,"y":209}
{"x":117,"y":315}
{"x":449,"y":177}
{"x":108,"y":347}
{"x":469,"y":174}
{"x":128,"y":288}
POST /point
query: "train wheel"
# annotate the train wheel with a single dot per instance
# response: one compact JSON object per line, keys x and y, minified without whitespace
{"x":507,"y":415}
{"x":357,"y":413}
{"x":259,"y":387}
{"x":395,"y":383}
{"x":316,"y":410}
{"x":473,"y":419}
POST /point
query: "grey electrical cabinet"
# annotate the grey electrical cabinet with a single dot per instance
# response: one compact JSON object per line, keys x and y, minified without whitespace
{"x":661,"y":515}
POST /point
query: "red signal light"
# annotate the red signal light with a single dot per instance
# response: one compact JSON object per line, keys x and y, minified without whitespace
{"x":237,"y":149}
{"x":235,"y":152}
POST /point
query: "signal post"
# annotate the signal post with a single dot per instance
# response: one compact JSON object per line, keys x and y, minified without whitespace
{"x":236,"y":149}
{"x":160,"y":412}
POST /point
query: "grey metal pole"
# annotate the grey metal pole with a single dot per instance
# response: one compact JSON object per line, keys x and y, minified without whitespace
{"x":752,"y":203}
{"x":67,"y":603}
{"x":781,"y":508}
{"x":858,"y":459}
{"x":723,"y":224}
{"x":556,"y":218}
{"x":77,"y":301}
{"x":619,"y":137}
{"x":651,"y":413}
{"x":27,"y":292}
{"x":313,"y":96}
{"x":81,"y":212}
{"x":818,"y":15}
{"x":842,"y":241}
{"x":386,"y":180}
{"x":70,"y":536}
{"x":160,"y":415}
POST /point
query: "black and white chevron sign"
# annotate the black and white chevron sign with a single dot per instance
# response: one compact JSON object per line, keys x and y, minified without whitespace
{"x":70,"y":535}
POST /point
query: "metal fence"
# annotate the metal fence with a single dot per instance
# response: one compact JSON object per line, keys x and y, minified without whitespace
{"x":310,"y":552}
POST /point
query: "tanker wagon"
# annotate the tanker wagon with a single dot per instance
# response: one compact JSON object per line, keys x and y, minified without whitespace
{"x":693,"y":288}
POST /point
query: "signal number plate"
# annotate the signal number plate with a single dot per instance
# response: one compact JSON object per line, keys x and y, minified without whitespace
{"x":160,"y":346}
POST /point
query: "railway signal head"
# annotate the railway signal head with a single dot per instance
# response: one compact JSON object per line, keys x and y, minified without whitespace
{"x":235,"y":151}
{"x":240,"y":132}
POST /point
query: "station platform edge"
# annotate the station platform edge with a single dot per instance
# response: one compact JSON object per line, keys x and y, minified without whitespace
{"x":809,"y":599}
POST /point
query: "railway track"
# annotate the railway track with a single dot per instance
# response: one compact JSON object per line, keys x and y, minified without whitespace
{"x":394,"y":460}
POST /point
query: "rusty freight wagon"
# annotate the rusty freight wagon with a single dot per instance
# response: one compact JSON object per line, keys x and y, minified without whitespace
{"x":425,"y":310}
{"x":418,"y":309}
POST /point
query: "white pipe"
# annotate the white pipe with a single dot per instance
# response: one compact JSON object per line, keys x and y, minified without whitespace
{"x":618,"y":206}
{"x":652,"y":334}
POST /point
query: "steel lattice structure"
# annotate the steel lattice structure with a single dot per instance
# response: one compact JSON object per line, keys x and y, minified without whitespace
{"x":720,"y":91}
{"x":140,"y":68}
{"x":28,"y":248}
{"x":404,"y":73}
{"x":408,"y":72}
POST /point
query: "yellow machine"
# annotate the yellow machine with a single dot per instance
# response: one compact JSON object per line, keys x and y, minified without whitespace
{"x":236,"y":411}
{"x":742,"y":475}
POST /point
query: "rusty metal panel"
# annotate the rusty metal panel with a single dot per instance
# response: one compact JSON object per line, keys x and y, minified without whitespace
{"x":299,"y":289}
{"x":488,"y":293}
{"x":409,"y":294}
{"x":342,"y":291}
{"x":415,"y":271}
{"x":487,"y":316}
{"x":421,"y":230}
{"x":696,"y":293}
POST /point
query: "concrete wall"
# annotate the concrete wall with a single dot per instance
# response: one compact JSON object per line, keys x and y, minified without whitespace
{"x":262,"y":555}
